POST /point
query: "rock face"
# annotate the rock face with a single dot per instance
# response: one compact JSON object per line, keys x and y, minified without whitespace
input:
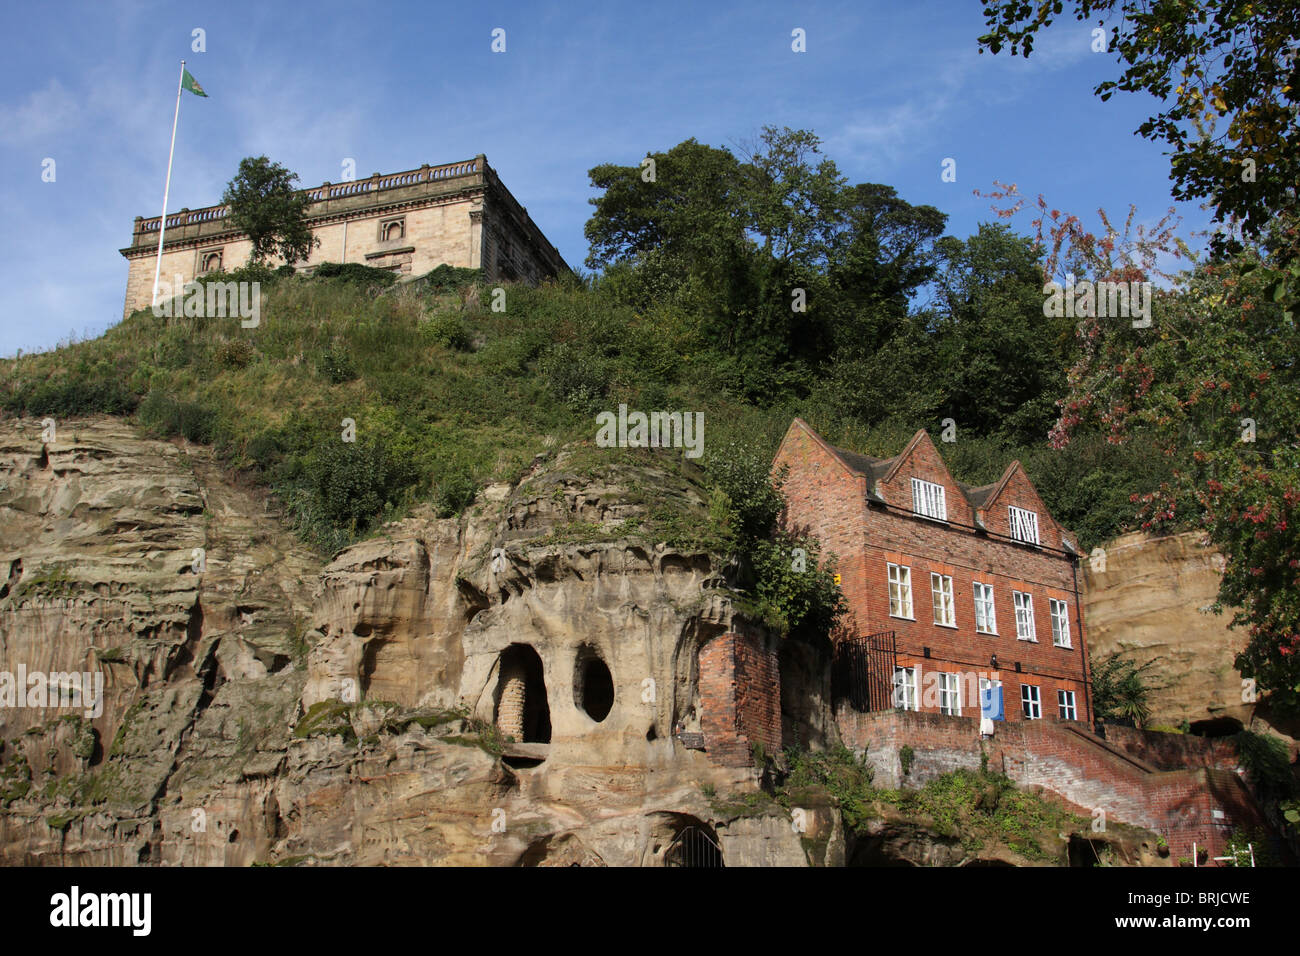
{"x":260,"y":705}
{"x":1151,"y":598}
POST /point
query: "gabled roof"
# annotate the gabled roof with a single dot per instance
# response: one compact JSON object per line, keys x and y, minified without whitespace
{"x":877,"y":469}
{"x":873,"y":470}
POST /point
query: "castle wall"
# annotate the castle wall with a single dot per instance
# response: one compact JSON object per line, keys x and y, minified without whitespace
{"x":459,"y":215}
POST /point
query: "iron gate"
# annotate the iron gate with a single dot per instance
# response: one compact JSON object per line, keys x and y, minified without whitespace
{"x":863,"y":672}
{"x":692,"y":847}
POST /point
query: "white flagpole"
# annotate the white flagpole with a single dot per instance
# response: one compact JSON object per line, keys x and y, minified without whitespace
{"x":162,"y":223}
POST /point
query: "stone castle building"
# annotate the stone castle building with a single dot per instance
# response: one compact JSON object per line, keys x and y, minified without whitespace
{"x":460,"y":214}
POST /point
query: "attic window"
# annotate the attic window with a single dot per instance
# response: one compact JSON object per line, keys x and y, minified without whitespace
{"x":1024,"y":525}
{"x":928,"y":499}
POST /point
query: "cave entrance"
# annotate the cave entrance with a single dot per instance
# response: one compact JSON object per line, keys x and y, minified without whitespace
{"x":1216,"y":727}
{"x":593,"y":684}
{"x":695,"y":845}
{"x":521,"y":708}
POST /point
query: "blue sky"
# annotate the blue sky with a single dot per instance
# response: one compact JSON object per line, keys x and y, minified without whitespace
{"x":892,"y":88}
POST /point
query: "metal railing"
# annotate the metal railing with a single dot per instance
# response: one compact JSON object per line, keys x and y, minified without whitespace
{"x":863,"y":671}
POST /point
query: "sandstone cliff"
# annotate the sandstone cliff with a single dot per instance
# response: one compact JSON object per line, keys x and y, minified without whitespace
{"x":261,"y":705}
{"x":1152,"y":598}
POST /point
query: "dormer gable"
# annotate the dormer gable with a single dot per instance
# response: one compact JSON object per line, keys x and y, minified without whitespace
{"x":918,"y":481}
{"x":1013,"y":508}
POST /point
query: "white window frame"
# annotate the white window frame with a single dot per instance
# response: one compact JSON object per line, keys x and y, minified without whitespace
{"x":949,"y":694}
{"x":942,"y":599}
{"x":1023,"y":524}
{"x":905,"y":697}
{"x":1060,"y":622}
{"x":929,"y":500}
{"x":984,"y":598}
{"x":1031,"y":705}
{"x":1065,"y":705}
{"x":1023,"y":602}
{"x":900,"y":584}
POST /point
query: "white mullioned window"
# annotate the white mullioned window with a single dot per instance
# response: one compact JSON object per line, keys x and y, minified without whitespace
{"x":1060,"y":623}
{"x":905,"y":688}
{"x":1024,"y":524}
{"x":1029,"y":703}
{"x":929,"y":499}
{"x":1024,"y":615}
{"x":950,"y":694}
{"x":1065,"y":703}
{"x":986,"y":621}
{"x":941,"y":595}
{"x":900,"y":591}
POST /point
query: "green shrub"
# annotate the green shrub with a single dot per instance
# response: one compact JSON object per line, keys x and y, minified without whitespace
{"x":233,"y":353}
{"x":448,"y":330}
{"x":355,"y":272}
{"x":446,"y":277}
{"x":336,"y":365}
{"x":354,"y":482}
{"x":1267,"y":763}
{"x":453,"y":493}
{"x":576,"y":375}
{"x":167,"y":415}
{"x":68,"y":396}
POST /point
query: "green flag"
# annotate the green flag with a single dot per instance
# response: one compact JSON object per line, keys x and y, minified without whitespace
{"x":189,"y":83}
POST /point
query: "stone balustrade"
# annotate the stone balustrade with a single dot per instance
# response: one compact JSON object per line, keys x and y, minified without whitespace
{"x":324,"y":193}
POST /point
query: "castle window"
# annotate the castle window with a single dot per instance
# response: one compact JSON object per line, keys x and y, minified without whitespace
{"x":941,"y":594}
{"x":928,"y":499}
{"x":1024,"y":525}
{"x":1024,"y":616}
{"x":986,"y":621}
{"x":1065,"y":704}
{"x":1060,"y":623}
{"x":950,"y":694}
{"x":391,"y":230}
{"x":210,"y":262}
{"x":1029,"y":703}
{"x":900,"y":591}
{"x":905,"y":688}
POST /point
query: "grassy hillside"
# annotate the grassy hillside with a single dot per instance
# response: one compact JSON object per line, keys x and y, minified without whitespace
{"x":448,"y":395}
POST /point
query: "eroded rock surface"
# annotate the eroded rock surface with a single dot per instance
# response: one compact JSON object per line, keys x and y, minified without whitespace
{"x":262,"y":705}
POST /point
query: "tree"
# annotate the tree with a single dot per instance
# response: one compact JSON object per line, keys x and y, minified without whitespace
{"x":264,"y":205}
{"x":1002,"y":363}
{"x":1227,"y":74}
{"x":1215,"y":385}
{"x":1121,"y":690}
{"x":780,"y":259}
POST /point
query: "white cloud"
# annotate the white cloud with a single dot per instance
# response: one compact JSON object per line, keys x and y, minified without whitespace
{"x":44,"y":113}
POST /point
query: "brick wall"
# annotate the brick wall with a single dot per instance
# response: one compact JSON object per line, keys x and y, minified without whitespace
{"x":827,"y":500}
{"x":1065,"y":760}
{"x":1175,"y":751}
{"x":740,"y":697}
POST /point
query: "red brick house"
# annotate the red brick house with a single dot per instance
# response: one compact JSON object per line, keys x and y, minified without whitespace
{"x":976,"y":584}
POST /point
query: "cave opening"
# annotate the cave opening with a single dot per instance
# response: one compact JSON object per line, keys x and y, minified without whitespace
{"x":521,"y":708}
{"x":593,"y":684}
